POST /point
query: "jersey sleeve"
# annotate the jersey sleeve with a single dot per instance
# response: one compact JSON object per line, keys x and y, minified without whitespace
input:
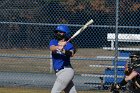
{"x":53,"y":42}
{"x":70,"y":46}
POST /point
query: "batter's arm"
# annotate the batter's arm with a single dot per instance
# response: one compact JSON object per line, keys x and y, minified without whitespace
{"x":54,"y":48}
{"x":68,"y":52}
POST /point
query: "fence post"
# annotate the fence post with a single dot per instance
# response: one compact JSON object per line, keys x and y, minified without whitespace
{"x":116,"y":40}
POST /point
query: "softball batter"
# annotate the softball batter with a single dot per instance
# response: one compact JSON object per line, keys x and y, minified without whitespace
{"x":61,"y":53}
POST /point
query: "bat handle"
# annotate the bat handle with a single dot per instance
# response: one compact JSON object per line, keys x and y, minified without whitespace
{"x":69,"y":40}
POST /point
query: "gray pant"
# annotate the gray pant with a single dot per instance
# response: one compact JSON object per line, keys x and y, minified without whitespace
{"x":64,"y":81}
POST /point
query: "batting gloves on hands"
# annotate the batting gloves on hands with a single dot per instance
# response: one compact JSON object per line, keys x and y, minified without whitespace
{"x":115,"y":88}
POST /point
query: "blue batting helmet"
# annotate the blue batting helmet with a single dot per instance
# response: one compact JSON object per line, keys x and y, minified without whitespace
{"x":63,"y":28}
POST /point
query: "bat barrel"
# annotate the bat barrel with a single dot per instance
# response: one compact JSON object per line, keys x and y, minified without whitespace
{"x":81,"y":29}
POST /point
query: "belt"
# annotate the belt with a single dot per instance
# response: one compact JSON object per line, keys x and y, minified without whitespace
{"x":57,"y":70}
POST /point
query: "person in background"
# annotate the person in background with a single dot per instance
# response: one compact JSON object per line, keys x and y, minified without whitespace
{"x":132,"y":77}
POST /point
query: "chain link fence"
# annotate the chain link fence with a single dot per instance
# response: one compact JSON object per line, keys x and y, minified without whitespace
{"x":26,"y":27}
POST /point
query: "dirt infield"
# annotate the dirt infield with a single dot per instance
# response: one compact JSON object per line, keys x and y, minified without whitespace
{"x":39,"y":90}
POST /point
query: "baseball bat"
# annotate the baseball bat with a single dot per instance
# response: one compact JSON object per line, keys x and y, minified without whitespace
{"x":80,"y":30}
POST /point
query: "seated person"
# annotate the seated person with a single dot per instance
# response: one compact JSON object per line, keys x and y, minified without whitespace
{"x":132,"y":75}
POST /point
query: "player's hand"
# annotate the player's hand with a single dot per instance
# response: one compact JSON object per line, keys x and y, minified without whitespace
{"x":62,"y":43}
{"x":60,"y":48}
{"x":114,"y":88}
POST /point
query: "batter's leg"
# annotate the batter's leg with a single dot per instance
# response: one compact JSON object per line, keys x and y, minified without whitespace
{"x":70,"y":88}
{"x":63,"y":78}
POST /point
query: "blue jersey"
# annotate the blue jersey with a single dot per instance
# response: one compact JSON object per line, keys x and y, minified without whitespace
{"x":59,"y":59}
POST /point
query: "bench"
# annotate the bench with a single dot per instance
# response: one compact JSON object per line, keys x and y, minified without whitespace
{"x":123,"y":38}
